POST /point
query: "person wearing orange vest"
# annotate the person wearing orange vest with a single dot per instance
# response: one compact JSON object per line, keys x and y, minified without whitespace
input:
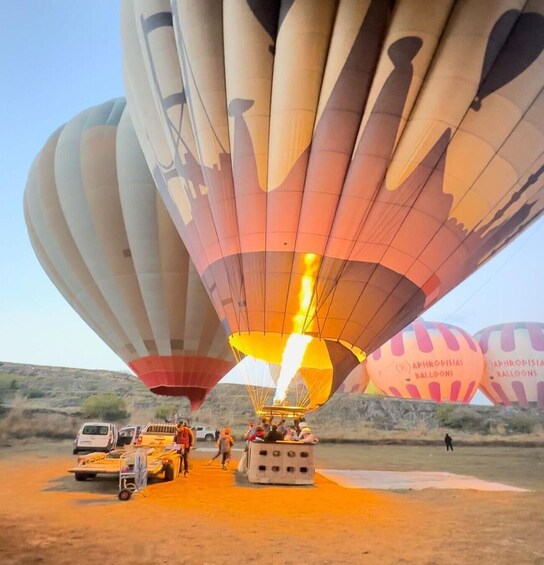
{"x":185,"y":439}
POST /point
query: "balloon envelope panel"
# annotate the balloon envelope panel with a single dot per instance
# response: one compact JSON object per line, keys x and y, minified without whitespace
{"x":429,"y":361}
{"x":370,"y":155}
{"x":357,"y":381}
{"x":514,"y":355}
{"x":102,"y":234}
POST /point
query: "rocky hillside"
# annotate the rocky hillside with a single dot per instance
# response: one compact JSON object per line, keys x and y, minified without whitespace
{"x":344,"y":417}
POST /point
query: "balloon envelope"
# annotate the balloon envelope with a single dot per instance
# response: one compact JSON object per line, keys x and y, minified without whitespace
{"x":103,"y":236}
{"x":357,"y":381}
{"x":429,"y":361}
{"x":336,"y":168}
{"x":514,"y":355}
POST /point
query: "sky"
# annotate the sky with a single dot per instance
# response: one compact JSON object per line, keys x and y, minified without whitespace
{"x":60,"y":57}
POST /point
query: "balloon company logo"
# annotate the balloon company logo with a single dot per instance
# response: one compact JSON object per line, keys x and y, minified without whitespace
{"x":512,"y":368}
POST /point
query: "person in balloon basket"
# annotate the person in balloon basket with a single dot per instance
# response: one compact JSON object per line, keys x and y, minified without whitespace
{"x":185,"y":439}
{"x":273,"y":435}
{"x":306,"y":436}
{"x":449,"y":442}
{"x":226,"y":442}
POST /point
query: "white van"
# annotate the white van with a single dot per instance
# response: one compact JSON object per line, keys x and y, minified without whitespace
{"x":96,"y":436}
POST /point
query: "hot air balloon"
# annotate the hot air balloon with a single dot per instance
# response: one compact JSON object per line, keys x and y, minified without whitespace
{"x":335,"y":168}
{"x":514,"y":355}
{"x":428,"y":361}
{"x":357,"y":381}
{"x":104,"y":238}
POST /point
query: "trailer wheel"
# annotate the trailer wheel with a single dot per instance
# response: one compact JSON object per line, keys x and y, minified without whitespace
{"x":209,"y":437}
{"x":124,"y":494}
{"x":81,"y":476}
{"x":75,"y":451}
{"x":168,"y":472}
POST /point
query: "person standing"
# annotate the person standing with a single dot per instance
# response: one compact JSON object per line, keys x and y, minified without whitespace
{"x":226,"y":442}
{"x":185,"y":439}
{"x":273,"y":435}
{"x":449,"y":442}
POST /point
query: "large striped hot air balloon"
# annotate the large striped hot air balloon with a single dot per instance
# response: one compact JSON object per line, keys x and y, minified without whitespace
{"x":104,"y":238}
{"x":334,"y":168}
{"x":429,"y":361}
{"x":514,"y":355}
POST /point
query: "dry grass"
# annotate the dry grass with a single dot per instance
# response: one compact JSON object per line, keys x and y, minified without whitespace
{"x":215,"y":517}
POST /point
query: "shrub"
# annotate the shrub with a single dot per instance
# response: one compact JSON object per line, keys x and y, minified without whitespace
{"x":34,"y":393}
{"x":444,"y":415}
{"x":8,"y":382}
{"x":105,"y":406}
{"x":460,"y":418}
{"x":522,"y":423}
{"x":165,"y":411}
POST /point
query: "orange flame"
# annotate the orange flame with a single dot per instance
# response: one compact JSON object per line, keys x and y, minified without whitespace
{"x":297,"y":342}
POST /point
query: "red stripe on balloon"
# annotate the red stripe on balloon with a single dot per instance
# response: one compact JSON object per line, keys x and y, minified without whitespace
{"x":449,"y":337}
{"x":395,"y":392}
{"x":455,"y":390}
{"x":413,"y":392}
{"x":469,"y":339}
{"x":483,"y":339}
{"x":540,"y":394}
{"x":503,"y":398}
{"x":536,"y":335}
{"x":469,"y":392}
{"x":519,"y":391}
{"x":377,"y":354}
{"x":434,"y":390}
{"x":397,"y":344}
{"x":508,"y":342}
{"x":423,"y":339}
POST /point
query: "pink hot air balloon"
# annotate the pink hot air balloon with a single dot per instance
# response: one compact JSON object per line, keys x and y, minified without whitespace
{"x":514,"y":355}
{"x":357,"y":380}
{"x":428,"y":361}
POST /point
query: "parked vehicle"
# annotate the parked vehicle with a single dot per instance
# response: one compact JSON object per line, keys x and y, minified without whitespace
{"x":96,"y":436}
{"x":128,"y":435}
{"x":160,"y":461}
{"x":156,"y":434}
{"x":204,"y":432}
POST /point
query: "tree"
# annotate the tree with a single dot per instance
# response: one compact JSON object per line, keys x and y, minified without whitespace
{"x":105,"y":406}
{"x":165,"y":411}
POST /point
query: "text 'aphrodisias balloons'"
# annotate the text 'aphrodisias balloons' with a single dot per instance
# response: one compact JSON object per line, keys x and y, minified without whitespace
{"x":104,"y":238}
{"x":334,"y":168}
{"x":514,"y":356}
{"x":429,"y":361}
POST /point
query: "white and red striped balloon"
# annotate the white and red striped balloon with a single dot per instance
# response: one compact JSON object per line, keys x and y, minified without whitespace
{"x":428,"y":361}
{"x":514,"y":355}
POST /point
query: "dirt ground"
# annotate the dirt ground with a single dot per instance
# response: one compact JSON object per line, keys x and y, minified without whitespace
{"x":217,"y":517}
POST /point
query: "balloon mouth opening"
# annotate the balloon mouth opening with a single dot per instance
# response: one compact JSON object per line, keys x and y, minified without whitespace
{"x":301,"y":369}
{"x":270,"y":347}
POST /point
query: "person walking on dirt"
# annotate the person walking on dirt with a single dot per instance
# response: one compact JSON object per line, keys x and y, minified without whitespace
{"x":185,"y":439}
{"x":225,"y":446}
{"x":449,"y":442}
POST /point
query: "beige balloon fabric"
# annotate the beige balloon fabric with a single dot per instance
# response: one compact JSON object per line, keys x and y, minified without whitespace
{"x":103,"y":236}
{"x":514,"y":363}
{"x":369,"y":154}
